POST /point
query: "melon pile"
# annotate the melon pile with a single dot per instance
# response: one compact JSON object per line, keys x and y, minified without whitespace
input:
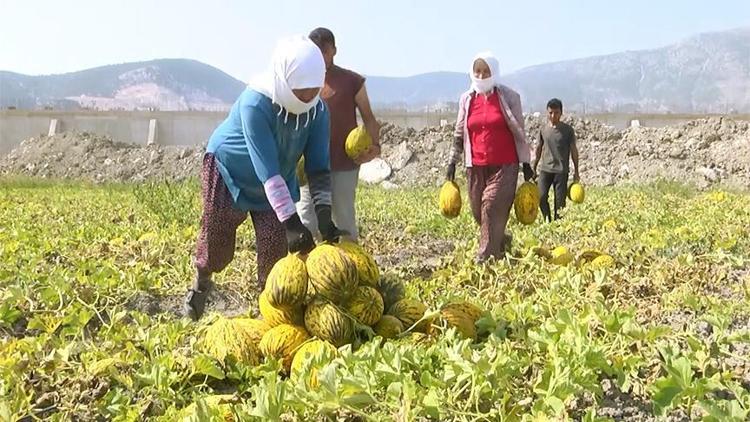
{"x":334,"y":297}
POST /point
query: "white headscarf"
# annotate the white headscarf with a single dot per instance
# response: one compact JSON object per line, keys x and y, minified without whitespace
{"x":297,"y":63}
{"x":485,"y":86}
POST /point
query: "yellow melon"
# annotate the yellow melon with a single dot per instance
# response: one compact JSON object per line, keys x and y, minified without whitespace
{"x":526,"y":203}
{"x":317,"y":351}
{"x":287,"y":282}
{"x":449,"y":200}
{"x":368,"y":272}
{"x":561,"y":256}
{"x":409,"y":311}
{"x":357,"y":142}
{"x":282,"y":342}
{"x":275,"y":316}
{"x":236,"y":338}
{"x":576,"y":193}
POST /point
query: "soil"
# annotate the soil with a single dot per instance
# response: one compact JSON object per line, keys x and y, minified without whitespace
{"x":704,"y":152}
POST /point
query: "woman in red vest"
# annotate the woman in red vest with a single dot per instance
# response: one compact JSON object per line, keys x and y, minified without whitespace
{"x":490,"y":135}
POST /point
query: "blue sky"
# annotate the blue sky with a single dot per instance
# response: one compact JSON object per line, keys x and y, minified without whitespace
{"x":387,"y":38}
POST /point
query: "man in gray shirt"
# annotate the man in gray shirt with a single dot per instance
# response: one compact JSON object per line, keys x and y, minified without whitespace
{"x":556,"y":146}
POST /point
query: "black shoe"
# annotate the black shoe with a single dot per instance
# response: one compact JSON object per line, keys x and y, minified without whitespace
{"x":195,"y":300}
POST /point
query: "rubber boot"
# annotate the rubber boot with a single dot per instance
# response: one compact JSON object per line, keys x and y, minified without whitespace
{"x":197,"y":295}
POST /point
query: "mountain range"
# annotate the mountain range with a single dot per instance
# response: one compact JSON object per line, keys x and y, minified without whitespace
{"x":707,"y":73}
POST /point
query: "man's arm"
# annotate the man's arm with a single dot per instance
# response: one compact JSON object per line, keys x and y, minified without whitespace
{"x":538,"y":150}
{"x":371,"y":125}
{"x":574,"y":156}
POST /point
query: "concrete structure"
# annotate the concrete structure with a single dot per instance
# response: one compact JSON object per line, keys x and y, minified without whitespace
{"x":148,"y":127}
{"x":141,"y":127}
{"x":194,"y":127}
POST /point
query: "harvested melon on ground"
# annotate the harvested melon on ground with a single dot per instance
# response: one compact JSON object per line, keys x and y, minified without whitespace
{"x":368,"y":273}
{"x":449,"y":200}
{"x":275,"y":316}
{"x":332,"y":273}
{"x":366,"y":305}
{"x":457,"y":317}
{"x":389,"y":327}
{"x":326,"y":321}
{"x":561,"y":256}
{"x":526,"y":203}
{"x":281,"y":342}
{"x":235,"y":338}
{"x":392,"y":290}
{"x":603,"y":261}
{"x":471,"y":310}
{"x":587,"y":256}
{"x":409,"y":311}
{"x":317,"y":351}
{"x":287,"y":282}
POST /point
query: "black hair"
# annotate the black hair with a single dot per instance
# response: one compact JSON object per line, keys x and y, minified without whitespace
{"x":555,"y":104}
{"x":322,"y":37}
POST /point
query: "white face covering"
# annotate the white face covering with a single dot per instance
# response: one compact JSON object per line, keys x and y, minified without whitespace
{"x":485,"y":86}
{"x":297,"y":63}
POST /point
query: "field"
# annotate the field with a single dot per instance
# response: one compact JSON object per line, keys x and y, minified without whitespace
{"x":91,"y":278}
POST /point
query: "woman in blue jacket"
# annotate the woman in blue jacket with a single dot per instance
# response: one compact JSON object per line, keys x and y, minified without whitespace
{"x":249,"y":168}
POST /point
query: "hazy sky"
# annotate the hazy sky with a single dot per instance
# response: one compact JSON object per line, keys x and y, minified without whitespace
{"x":388,"y":38}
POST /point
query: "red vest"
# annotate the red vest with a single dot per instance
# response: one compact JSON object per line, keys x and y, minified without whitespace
{"x":492,"y":141}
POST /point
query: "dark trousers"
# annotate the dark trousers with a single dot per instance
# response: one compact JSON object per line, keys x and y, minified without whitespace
{"x":560,"y":182}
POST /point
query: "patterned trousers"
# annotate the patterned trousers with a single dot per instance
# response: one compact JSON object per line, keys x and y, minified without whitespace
{"x":219,"y":223}
{"x":491,"y":193}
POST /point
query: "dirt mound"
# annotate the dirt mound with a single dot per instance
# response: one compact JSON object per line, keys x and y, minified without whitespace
{"x":100,"y":159}
{"x":703,"y":152}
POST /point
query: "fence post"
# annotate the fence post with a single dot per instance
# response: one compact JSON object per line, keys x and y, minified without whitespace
{"x":53,"y":127}
{"x":151,"y":132}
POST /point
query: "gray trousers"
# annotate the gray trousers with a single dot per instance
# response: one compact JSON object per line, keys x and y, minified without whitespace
{"x":343,"y":194}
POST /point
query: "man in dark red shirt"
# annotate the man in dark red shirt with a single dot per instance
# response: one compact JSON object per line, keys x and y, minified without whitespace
{"x":344,"y":92}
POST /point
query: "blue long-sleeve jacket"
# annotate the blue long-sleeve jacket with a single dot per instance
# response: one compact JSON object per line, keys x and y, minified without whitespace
{"x":255,"y":143}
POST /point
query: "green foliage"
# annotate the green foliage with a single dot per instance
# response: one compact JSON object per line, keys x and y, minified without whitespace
{"x":80,"y":267}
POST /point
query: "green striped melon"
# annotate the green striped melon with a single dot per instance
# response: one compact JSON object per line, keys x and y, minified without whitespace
{"x":318,"y":351}
{"x":282,"y":342}
{"x":392,"y":290}
{"x":472,"y":311}
{"x":368,"y":272}
{"x":388,"y":327}
{"x":331,"y":273}
{"x":274,"y":316}
{"x":409,"y":311}
{"x":326,"y":321}
{"x":287,"y":282}
{"x":366,"y":305}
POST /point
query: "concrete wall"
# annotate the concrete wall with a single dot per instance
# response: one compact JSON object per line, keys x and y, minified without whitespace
{"x":194,"y":127}
{"x":172,"y":128}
